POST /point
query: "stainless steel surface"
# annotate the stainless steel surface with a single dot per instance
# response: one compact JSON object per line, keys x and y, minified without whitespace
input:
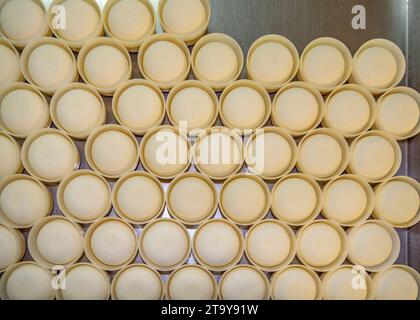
{"x":302,"y":21}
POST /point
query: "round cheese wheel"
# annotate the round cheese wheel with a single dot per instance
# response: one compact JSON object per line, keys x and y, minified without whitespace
{"x":269,"y":244}
{"x":59,"y":242}
{"x":398,"y":202}
{"x":51,"y":156}
{"x":23,"y":201}
{"x":105,"y":66}
{"x":139,"y":107}
{"x":272,"y":62}
{"x":165,"y":251}
{"x":129,"y":20}
{"x":139,"y":198}
{"x":296,"y":109}
{"x":22,"y":20}
{"x":10,"y":159}
{"x":113,"y":243}
{"x":320,"y":155}
{"x":9,"y":64}
{"x":194,"y":106}
{"x":23,"y":111}
{"x":50,"y":66}
{"x":243,"y":200}
{"x":243,"y":283}
{"x":114,"y":152}
{"x":28,"y":281}
{"x":348,"y":111}
{"x":82,"y":20}
{"x":83,"y":276}
{"x":164,"y":61}
{"x":79,"y":111}
{"x":342,"y":284}
{"x":243,"y":108}
{"x":86,"y":197}
{"x":217,"y":244}
{"x":165,"y":152}
{"x":191,"y":283}
{"x":320,"y":244}
{"x":396,"y":283}
{"x":294,"y":200}
{"x":216,"y":62}
{"x":137,"y":282}
{"x":398,"y":114}
{"x":294,"y":283}
{"x":323,"y":65}
{"x":191,"y":198}
{"x":376,"y":67}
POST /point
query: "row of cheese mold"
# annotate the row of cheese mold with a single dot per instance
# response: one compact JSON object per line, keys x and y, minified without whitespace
{"x":48,"y":63}
{"x":23,"y":21}
{"x":10,"y":162}
{"x":9,"y":58}
{"x":13,"y":247}
{"x":298,"y":107}
{"x":75,"y":21}
{"x":111,"y":243}
{"x":138,"y":105}
{"x":35,"y":201}
{"x":49,"y":155}
{"x":41,"y":284}
{"x":112,"y":150}
{"x":343,"y":282}
{"x":84,"y":196}
{"x":77,"y":109}
{"x":23,"y":109}
{"x":397,"y":201}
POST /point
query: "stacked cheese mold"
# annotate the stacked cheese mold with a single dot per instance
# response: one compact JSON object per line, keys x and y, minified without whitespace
{"x":298,"y":199}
